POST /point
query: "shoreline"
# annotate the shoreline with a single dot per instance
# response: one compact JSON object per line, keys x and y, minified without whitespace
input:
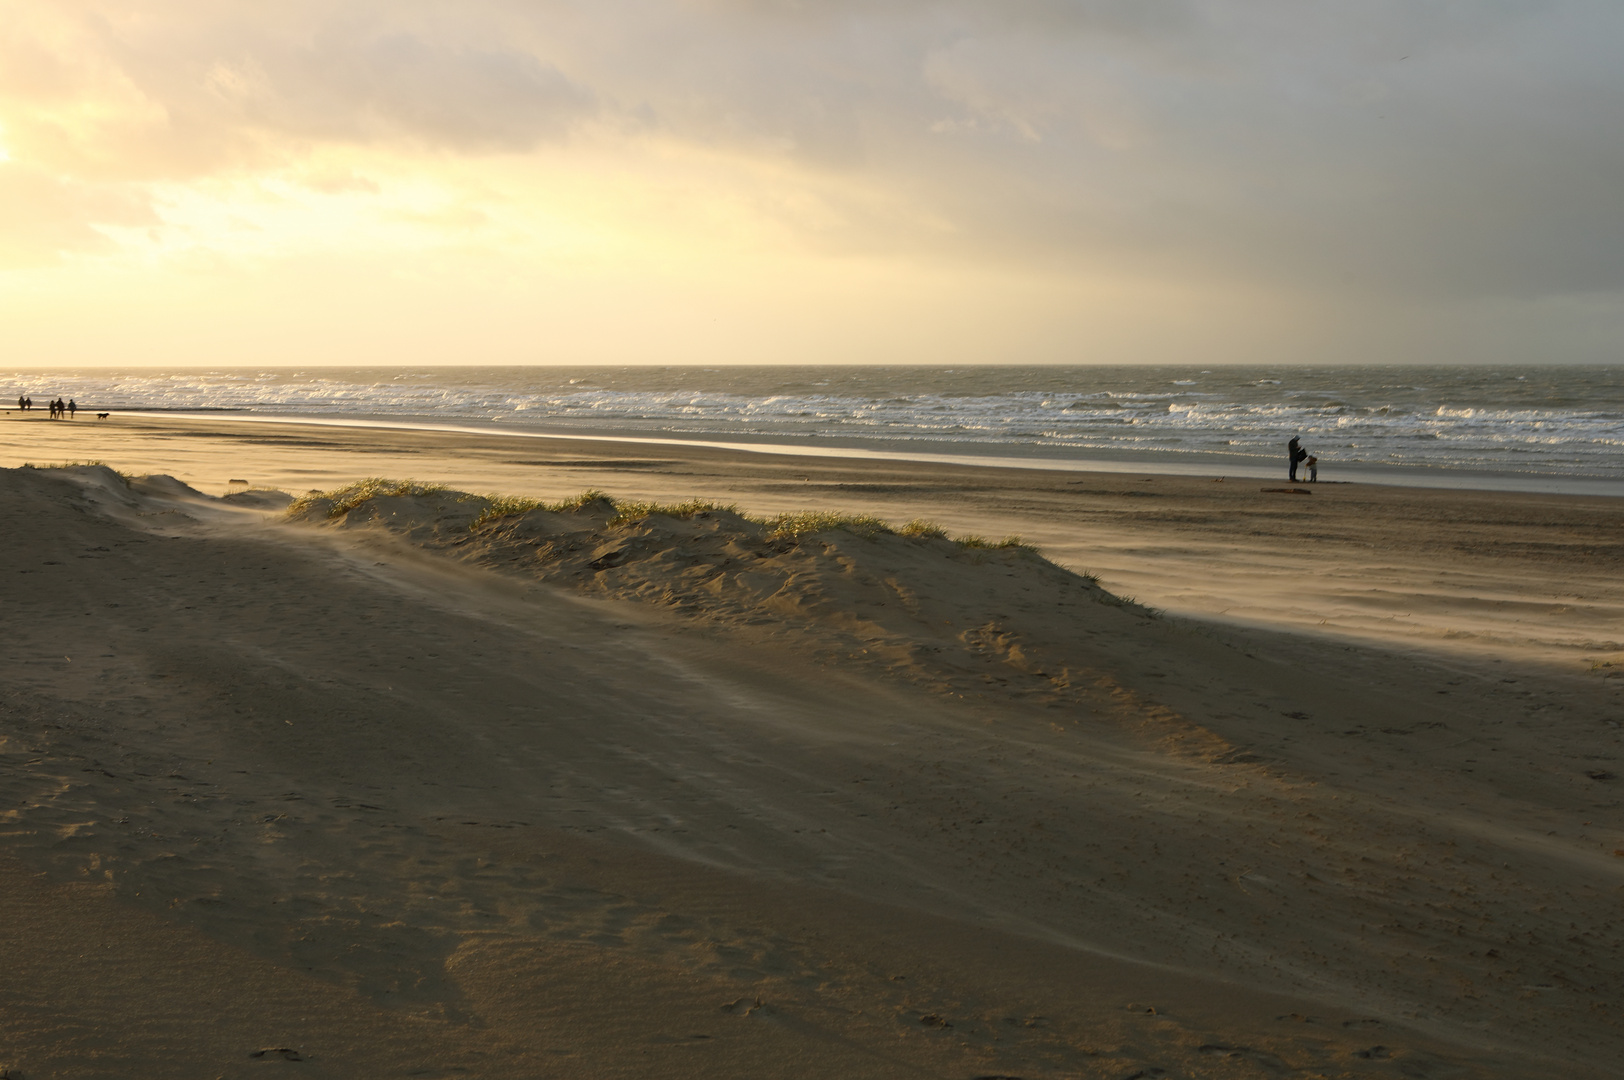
{"x":1006,"y":455}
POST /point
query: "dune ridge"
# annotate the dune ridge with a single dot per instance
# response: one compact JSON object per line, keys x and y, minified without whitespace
{"x":957,"y":616}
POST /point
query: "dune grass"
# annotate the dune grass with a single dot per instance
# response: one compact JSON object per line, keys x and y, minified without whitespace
{"x":575,"y":502}
{"x":796,"y":525}
{"x":924,"y":530}
{"x":348,"y":498}
{"x":636,"y":511}
{"x":993,"y":545}
{"x":503,"y":506}
{"x":788,"y":526}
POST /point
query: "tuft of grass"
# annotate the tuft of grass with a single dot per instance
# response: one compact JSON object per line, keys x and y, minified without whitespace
{"x":501,"y":506}
{"x":636,"y":511}
{"x":794,"y":526}
{"x":348,"y":498}
{"x":925,"y":530}
{"x":1006,"y":543}
{"x":575,"y":502}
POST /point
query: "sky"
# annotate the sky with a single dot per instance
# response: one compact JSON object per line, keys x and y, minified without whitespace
{"x":758,"y":181}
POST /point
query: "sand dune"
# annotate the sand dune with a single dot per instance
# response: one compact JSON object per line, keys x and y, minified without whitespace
{"x":953,"y":616}
{"x":402,"y":791}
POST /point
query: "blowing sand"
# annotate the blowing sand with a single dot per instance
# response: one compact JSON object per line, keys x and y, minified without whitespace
{"x":418,"y":788}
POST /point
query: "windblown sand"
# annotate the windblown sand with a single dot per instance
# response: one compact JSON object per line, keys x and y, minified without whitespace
{"x":413,"y":790}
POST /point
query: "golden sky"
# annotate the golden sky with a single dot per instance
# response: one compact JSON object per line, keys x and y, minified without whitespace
{"x":720,"y":181}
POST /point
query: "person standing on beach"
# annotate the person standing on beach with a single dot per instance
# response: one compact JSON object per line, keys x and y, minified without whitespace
{"x":1294,"y":454}
{"x":73,"y":407}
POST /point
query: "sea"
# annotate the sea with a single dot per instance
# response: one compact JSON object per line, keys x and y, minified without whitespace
{"x":1533,"y":428}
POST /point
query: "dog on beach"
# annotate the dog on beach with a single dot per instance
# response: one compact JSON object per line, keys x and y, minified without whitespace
{"x":103,"y":415}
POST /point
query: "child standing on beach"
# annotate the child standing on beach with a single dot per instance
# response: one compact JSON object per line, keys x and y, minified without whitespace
{"x":1313,"y":469}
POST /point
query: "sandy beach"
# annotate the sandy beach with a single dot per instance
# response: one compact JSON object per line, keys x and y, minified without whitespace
{"x":1225,"y":778}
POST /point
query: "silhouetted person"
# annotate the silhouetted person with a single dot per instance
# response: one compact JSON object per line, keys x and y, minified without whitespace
{"x":1294,"y":454}
{"x":28,"y":403}
{"x":73,"y":407}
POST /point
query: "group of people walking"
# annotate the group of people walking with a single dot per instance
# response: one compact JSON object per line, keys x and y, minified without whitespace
{"x":59,"y":408}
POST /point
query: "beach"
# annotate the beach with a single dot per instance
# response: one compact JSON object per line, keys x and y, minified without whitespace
{"x":1220,"y":776}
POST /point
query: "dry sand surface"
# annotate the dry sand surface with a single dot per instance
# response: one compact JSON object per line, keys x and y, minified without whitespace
{"x":414,"y":787}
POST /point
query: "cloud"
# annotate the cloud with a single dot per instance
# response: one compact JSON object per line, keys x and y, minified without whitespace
{"x":174,"y":89}
{"x":1448,"y":151}
{"x":363,"y":87}
{"x":44,"y":218}
{"x":338,"y":182}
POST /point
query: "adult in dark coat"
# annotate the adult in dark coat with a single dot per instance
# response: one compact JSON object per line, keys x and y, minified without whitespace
{"x":1294,"y":454}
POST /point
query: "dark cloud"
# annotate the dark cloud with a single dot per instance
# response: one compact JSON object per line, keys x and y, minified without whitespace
{"x":1447,"y":149}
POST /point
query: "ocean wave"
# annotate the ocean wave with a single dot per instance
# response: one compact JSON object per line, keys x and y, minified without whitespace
{"x":1568,"y":421}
